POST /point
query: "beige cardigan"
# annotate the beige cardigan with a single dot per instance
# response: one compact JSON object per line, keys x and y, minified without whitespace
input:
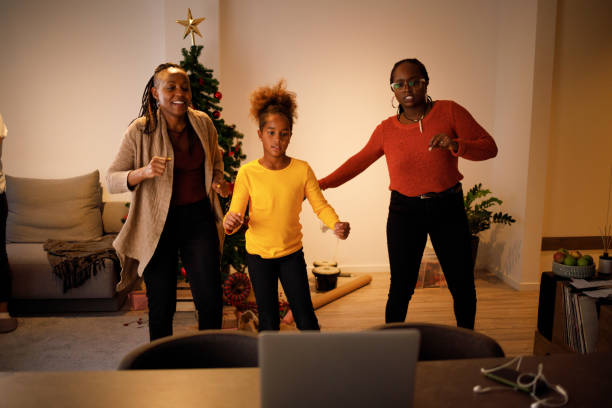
{"x":150,"y":202}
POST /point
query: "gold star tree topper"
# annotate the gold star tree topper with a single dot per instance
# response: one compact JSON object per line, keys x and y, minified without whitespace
{"x":191,"y":26}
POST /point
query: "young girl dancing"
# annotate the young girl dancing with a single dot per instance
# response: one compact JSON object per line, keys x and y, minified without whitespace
{"x":274,"y":187}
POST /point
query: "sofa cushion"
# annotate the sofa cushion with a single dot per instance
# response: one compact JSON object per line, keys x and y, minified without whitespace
{"x":66,"y":209}
{"x":113,"y":214}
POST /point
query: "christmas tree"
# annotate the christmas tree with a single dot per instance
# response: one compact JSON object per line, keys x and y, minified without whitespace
{"x":206,"y":98}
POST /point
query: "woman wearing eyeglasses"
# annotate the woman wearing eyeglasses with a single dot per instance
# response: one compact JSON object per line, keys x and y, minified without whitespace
{"x":422,"y":144}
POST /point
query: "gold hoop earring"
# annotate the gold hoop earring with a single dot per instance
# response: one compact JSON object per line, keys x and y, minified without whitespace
{"x":392,"y":99}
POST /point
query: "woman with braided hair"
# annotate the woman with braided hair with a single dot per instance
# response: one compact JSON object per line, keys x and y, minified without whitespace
{"x":170,"y":161}
{"x":274,"y":188}
{"x":422,"y":144}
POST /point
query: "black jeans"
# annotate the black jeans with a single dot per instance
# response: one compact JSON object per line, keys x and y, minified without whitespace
{"x":444,"y":219}
{"x":291,"y":270}
{"x":190,"y":230}
{"x":5,"y":273}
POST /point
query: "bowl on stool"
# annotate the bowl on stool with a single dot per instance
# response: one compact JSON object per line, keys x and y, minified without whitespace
{"x":326,"y":277}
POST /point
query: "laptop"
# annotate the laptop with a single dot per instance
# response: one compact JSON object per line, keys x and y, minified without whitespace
{"x":338,"y":369}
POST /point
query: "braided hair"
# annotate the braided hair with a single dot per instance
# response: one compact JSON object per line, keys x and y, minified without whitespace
{"x":277,"y":99}
{"x":421,"y":69}
{"x":148,"y":108}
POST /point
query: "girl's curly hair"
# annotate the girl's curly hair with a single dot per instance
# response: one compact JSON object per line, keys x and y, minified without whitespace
{"x":266,"y":100}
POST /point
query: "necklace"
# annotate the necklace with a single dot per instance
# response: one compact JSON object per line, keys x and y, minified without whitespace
{"x":419,"y":119}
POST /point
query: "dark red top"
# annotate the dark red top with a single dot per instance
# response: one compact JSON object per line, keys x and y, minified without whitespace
{"x":413,"y":169}
{"x":189,"y":185}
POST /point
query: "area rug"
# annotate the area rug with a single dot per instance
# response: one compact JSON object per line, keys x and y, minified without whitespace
{"x":84,"y":342}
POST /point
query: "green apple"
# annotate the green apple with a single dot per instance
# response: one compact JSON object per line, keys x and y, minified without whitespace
{"x":583,"y":261}
{"x":569,"y":261}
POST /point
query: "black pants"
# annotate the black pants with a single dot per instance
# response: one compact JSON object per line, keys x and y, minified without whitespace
{"x":291,"y":270}
{"x":190,"y":230}
{"x":5,"y":274}
{"x":443,"y":218}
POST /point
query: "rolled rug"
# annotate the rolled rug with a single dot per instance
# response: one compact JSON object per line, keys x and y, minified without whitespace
{"x":321,"y":299}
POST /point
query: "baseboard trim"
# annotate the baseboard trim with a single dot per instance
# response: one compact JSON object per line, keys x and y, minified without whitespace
{"x":520,"y":286}
{"x":584,"y":242}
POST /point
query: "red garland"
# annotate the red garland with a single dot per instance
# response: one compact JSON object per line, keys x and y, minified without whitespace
{"x":236,"y":288}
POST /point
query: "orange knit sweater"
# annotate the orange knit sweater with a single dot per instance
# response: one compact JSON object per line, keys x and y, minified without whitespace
{"x":413,"y":169}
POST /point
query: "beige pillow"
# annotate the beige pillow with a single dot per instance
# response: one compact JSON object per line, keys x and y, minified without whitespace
{"x":113,"y":214}
{"x":65,"y":209}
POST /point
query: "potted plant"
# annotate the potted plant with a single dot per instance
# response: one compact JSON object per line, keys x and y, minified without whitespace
{"x":479,"y":216}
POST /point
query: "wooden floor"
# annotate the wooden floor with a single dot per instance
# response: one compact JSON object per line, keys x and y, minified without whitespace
{"x":507,"y":315}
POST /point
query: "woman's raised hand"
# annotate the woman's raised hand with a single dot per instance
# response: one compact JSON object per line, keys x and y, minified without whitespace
{"x":443,"y":141}
{"x":342,"y":229}
{"x":156,"y":167}
{"x":232,"y":221}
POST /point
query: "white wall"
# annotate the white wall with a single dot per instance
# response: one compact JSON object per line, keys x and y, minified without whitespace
{"x":71,"y":80}
{"x":522,"y":111}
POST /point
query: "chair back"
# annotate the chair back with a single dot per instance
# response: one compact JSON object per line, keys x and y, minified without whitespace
{"x":441,"y":342}
{"x":204,"y":349}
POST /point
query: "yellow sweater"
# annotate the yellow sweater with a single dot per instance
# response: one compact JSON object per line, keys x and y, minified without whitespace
{"x":275,"y":201}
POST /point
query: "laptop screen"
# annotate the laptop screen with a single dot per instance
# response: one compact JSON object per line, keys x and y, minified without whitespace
{"x":338,"y":369}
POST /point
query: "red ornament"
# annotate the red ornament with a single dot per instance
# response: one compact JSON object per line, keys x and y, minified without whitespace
{"x":218,"y":95}
{"x":202,"y":81}
{"x":216,"y":114}
{"x":230,"y":154}
{"x":183,"y":271}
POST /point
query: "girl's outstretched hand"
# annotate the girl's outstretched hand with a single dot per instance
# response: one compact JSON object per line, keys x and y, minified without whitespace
{"x":232,"y":221}
{"x":342,"y":229}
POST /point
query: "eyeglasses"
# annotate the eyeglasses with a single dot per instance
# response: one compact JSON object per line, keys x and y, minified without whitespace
{"x":413,"y":83}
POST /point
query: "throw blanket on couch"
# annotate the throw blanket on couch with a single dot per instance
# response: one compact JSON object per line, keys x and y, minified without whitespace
{"x":74,"y":262}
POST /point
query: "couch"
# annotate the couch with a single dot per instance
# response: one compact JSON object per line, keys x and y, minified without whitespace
{"x":62,"y":209}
